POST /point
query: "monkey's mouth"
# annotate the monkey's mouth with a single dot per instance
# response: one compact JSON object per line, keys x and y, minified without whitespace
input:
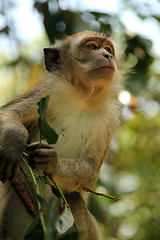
{"x":104,"y":68}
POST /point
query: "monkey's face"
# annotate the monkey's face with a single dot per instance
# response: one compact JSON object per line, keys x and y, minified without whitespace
{"x":87,"y":60}
{"x":96,"y":57}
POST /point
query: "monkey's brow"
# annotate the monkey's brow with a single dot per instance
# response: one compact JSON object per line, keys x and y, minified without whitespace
{"x":97,"y":39}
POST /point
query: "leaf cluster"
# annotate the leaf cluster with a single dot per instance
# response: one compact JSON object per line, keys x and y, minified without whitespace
{"x":51,"y":226}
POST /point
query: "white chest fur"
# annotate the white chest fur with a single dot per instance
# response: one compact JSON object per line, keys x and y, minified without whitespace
{"x":77,"y":129}
{"x":73,"y":130}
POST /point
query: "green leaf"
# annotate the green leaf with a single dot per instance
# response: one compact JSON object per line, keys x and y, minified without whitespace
{"x":35,"y":234}
{"x":43,"y":179}
{"x":45,"y":129}
{"x":33,"y":225}
{"x":42,"y":201}
{"x":47,"y":132}
{"x":51,"y":232}
{"x":55,"y":191}
{"x":61,"y":202}
{"x":43,"y":103}
{"x":35,"y":231}
{"x":64,"y":222}
{"x":71,"y":236}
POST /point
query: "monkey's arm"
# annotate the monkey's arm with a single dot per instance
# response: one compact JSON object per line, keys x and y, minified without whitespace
{"x":76,"y":174}
{"x":13,"y":130}
{"x":73,"y":174}
{"x":13,"y":137}
{"x":17,"y":120}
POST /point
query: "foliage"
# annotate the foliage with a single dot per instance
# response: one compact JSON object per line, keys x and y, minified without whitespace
{"x":132,"y":167}
{"x":52,"y":227}
{"x":46,"y":131}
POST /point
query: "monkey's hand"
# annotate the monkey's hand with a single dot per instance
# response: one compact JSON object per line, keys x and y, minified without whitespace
{"x":9,"y":165}
{"x":43,"y":157}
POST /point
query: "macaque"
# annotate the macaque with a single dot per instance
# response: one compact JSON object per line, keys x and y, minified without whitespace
{"x":81,"y":82}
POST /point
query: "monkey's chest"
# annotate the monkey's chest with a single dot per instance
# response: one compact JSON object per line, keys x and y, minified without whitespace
{"x":71,"y":141}
{"x":73,"y":133}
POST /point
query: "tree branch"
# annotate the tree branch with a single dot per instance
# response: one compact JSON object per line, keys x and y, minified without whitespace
{"x":101,"y":194}
{"x":20,"y":189}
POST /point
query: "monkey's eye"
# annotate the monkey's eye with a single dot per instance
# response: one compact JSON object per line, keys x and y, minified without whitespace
{"x":109,"y":49}
{"x":91,"y":46}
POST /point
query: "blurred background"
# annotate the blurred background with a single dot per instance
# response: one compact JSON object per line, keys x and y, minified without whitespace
{"x":132,"y":168}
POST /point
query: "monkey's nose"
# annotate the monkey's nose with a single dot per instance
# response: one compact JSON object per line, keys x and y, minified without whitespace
{"x":108,"y":56}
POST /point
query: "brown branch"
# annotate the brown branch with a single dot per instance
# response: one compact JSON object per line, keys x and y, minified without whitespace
{"x":101,"y":194}
{"x":25,"y":198}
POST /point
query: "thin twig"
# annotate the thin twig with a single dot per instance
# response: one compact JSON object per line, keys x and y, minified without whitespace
{"x":38,"y":193}
{"x":101,"y":194}
{"x":29,"y":183}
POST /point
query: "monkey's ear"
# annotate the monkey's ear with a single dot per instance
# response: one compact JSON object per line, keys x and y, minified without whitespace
{"x":52,"y":59}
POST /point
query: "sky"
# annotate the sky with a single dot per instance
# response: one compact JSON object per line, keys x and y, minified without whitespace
{"x":30,"y":26}
{"x":32,"y":22}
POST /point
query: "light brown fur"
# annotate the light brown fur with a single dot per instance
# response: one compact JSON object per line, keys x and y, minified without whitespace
{"x":82,"y":85}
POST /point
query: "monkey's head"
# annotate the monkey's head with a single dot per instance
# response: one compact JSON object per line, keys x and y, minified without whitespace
{"x":87,"y":61}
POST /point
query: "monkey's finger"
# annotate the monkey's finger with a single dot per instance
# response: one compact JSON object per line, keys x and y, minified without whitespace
{"x":46,"y":145}
{"x":46,"y":168}
{"x":47,"y":153}
{"x":36,"y":145}
{"x":33,"y":146}
{"x":41,"y":154}
{"x":31,"y":157}
{"x":44,"y":159}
